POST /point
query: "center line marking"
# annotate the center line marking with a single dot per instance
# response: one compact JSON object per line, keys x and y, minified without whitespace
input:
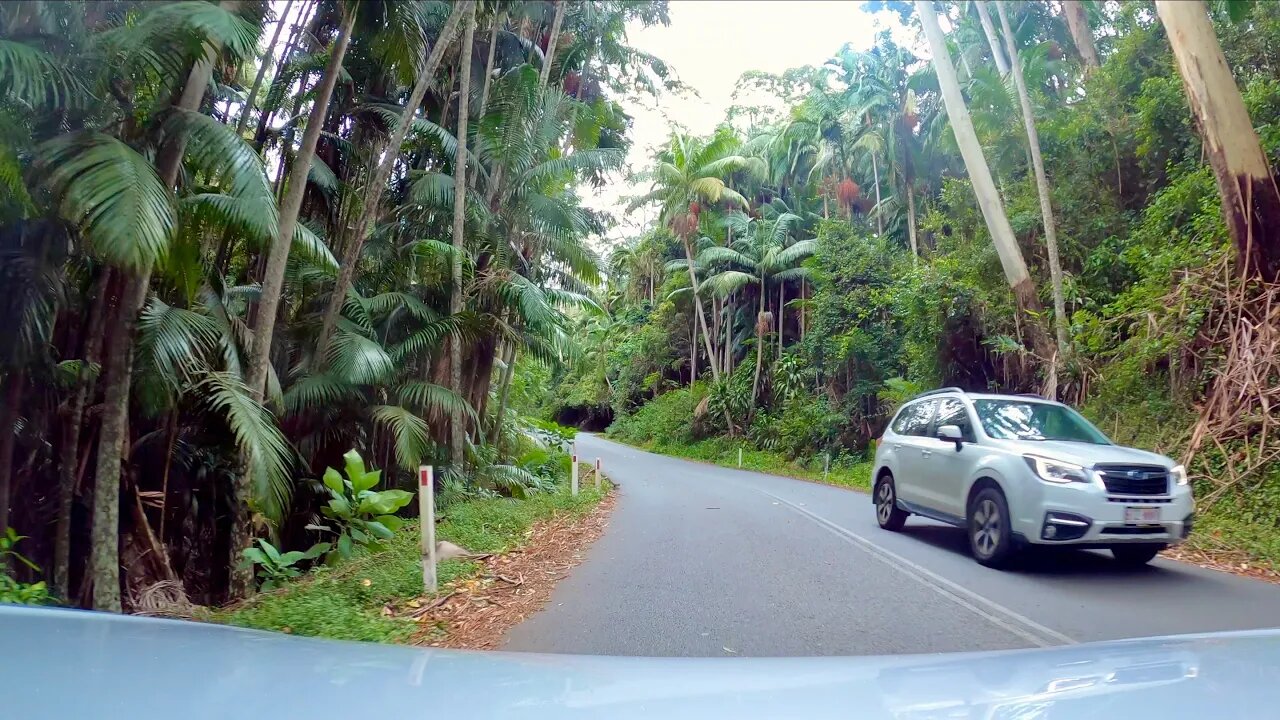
{"x":1034,"y":632}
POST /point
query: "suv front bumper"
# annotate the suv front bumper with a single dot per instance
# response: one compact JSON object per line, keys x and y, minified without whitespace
{"x":1080,"y":514}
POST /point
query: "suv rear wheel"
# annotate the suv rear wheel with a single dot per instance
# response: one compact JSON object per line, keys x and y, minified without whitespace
{"x":888,"y":514}
{"x":1135,"y":555}
{"x":990,"y":538}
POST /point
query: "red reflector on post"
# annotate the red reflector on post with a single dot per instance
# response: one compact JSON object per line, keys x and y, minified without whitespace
{"x":424,"y":475}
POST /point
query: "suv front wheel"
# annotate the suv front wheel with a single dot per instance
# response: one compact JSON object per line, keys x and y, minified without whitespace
{"x":990,"y":538}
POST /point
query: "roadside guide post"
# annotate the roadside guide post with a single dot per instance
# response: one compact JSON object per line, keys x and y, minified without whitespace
{"x":739,"y":456}
{"x":573,"y":475}
{"x":826,"y":466}
{"x":427,"y":514}
{"x":597,"y":473}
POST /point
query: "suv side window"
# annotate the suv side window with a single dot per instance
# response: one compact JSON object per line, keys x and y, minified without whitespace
{"x":914,"y":419}
{"x":951,"y":411}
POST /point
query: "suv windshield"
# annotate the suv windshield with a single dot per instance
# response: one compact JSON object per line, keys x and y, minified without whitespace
{"x":1020,"y":420}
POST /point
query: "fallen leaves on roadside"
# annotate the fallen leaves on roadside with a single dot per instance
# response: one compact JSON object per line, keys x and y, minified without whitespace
{"x":1222,"y":558}
{"x":476,"y":613}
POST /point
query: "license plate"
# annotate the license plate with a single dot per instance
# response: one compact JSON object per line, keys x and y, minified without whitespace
{"x":1141,"y":515}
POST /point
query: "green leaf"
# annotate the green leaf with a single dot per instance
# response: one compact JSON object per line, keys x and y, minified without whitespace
{"x":411,"y":434}
{"x":316,"y":551}
{"x":391,"y":522}
{"x":290,"y":558}
{"x":270,"y":550}
{"x":35,"y":77}
{"x":354,"y":466}
{"x":345,"y":546}
{"x":379,"y":530}
{"x":333,"y":480}
{"x":254,"y":555}
{"x":113,"y":194}
{"x":358,"y":535}
{"x":340,"y":507}
{"x":385,"y":502}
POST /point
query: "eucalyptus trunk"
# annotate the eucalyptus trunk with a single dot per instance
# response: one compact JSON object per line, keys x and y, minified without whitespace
{"x":989,"y":30}
{"x":1250,"y":199}
{"x":761,"y":324}
{"x":377,"y":184}
{"x":875,"y":173}
{"x":1081,"y":33}
{"x":459,"y":241}
{"x":1042,"y":188}
{"x":984,"y":188}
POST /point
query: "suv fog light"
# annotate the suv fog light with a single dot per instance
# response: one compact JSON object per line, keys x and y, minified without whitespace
{"x":1064,"y":526}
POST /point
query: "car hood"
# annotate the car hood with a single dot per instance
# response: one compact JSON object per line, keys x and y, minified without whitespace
{"x":67,"y":663}
{"x":1089,"y":454}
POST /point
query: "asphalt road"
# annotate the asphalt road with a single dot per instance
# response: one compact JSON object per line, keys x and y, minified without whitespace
{"x":700,"y":560}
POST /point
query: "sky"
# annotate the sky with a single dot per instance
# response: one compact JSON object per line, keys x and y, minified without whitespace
{"x":710,"y":44}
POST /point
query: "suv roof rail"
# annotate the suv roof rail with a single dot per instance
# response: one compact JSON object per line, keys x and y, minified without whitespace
{"x":939,"y":391}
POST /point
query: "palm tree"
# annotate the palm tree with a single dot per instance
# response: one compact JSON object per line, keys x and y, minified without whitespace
{"x":459,"y":211}
{"x":1015,"y":268}
{"x":764,"y":253}
{"x":690,"y":172}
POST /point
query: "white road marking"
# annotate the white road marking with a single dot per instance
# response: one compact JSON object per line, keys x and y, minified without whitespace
{"x":1030,"y":630}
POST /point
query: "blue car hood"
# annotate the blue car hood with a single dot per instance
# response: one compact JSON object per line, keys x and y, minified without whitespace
{"x":74,"y":664}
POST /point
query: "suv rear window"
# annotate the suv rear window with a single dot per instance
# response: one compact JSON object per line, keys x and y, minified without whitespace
{"x":914,"y":419}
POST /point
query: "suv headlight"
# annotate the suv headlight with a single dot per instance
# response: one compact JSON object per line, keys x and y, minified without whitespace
{"x":1056,"y":471}
{"x":1179,"y":475}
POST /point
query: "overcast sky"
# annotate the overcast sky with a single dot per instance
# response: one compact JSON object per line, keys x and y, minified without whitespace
{"x":710,"y":44}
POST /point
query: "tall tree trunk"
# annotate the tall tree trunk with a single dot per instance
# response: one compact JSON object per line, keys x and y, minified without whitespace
{"x":697,"y":303}
{"x":989,"y":30}
{"x":264,"y":322}
{"x":373,"y":192}
{"x":984,"y":188}
{"x":8,"y":438}
{"x":1081,"y":33}
{"x":1042,"y":187}
{"x":290,"y":48}
{"x":782,"y":301}
{"x":459,"y":241}
{"x":1250,"y":199}
{"x":508,"y":371}
{"x":911,"y":224}
{"x":551,"y":45}
{"x":693,"y":353}
{"x":875,"y":173}
{"x":69,"y":451}
{"x":104,"y":558}
{"x":262,"y":69}
{"x":760,"y":330}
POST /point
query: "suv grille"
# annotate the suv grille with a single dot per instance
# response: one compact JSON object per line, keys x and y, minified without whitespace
{"x":1135,"y":479}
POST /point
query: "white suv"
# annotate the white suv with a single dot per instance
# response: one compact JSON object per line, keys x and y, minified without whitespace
{"x":1015,"y":470}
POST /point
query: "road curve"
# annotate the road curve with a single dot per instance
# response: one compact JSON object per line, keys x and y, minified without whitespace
{"x":700,"y":560}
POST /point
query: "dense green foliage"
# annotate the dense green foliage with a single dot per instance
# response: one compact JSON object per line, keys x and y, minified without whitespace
{"x":903,"y":290}
{"x":346,"y":601}
{"x":147,"y":181}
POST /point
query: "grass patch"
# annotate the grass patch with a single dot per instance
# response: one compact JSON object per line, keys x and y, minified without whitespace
{"x":854,"y":473}
{"x":345,"y":602}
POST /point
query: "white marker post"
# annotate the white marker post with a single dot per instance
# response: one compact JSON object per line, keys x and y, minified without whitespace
{"x":427,"y":514}
{"x":739,"y":456}
{"x":573,"y":475}
{"x":597,"y":473}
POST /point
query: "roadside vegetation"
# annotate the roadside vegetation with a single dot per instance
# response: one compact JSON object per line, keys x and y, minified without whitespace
{"x":350,"y":600}
{"x":1019,"y":204}
{"x":240,"y":239}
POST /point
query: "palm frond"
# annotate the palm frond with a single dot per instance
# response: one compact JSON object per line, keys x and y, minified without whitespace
{"x":313,"y":392}
{"x":729,"y":281}
{"x":258,"y":438}
{"x":435,"y":398}
{"x":357,"y":359}
{"x":35,"y":77}
{"x":215,"y":151}
{"x":113,"y":194}
{"x":174,"y":339}
{"x":411,"y":433}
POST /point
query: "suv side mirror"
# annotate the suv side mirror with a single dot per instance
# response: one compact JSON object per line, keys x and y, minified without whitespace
{"x":951,"y":433}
